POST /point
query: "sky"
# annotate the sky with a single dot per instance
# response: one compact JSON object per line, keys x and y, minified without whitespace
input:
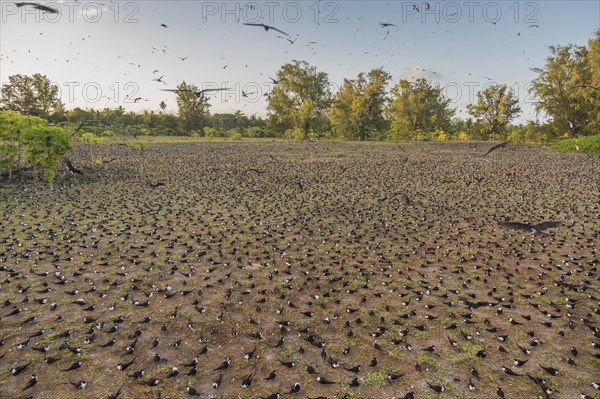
{"x":108,"y":53}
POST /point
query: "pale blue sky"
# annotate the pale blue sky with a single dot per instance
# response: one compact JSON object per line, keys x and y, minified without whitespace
{"x":92,"y":49}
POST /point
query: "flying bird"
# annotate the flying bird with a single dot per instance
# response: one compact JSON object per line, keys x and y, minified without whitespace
{"x":266,"y":27}
{"x":83,"y":122}
{"x":72,"y":168}
{"x":40,"y":7}
{"x":501,"y":145}
{"x":160,"y":80}
{"x":196,"y":93}
{"x":387,"y":24}
{"x":535,"y":229}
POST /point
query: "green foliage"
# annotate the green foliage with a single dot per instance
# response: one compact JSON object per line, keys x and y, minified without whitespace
{"x":92,"y":138}
{"x":294,"y":134}
{"x":192,"y":108}
{"x":301,"y":99}
{"x":463,"y":136}
{"x":254,"y":131}
{"x":357,"y":110}
{"x":563,"y":88}
{"x":45,"y":144}
{"x":416,"y":108}
{"x":29,"y":138}
{"x":566,"y":67}
{"x":31,"y":95}
{"x":139,"y":145}
{"x":517,"y":135}
{"x":583,"y":145}
{"x":209,"y":132}
{"x":440,"y":135}
{"x":237,"y":136}
{"x":495,"y":108}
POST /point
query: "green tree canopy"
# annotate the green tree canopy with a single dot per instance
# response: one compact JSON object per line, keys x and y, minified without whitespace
{"x":302,"y":98}
{"x":357,"y":110}
{"x":192,"y":108}
{"x":30,"y":138}
{"x":31,"y":95}
{"x":417,"y":106}
{"x":496,"y":106}
{"x":561,"y":89}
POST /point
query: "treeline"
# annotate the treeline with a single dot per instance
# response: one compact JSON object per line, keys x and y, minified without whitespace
{"x":566,"y":89}
{"x":303,"y":106}
{"x":117,"y":122}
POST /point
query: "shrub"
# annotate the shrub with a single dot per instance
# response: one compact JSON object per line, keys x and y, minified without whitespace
{"x":236,"y":136}
{"x":584,"y":145}
{"x":463,"y":136}
{"x":209,"y":132}
{"x":294,"y":134}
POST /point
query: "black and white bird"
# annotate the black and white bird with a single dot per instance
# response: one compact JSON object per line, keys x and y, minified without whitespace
{"x":174,"y":372}
{"x":247,"y":381}
{"x":325,"y":381}
{"x":437,"y":388}
{"x":32,"y":381}
{"x":79,"y":384}
{"x":224,"y":365}
{"x":508,"y":371}
{"x":394,"y":377}
{"x":471,"y":386}
{"x":295,"y":388}
{"x":18,"y":369}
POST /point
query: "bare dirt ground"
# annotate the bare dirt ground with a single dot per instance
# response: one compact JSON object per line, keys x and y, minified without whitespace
{"x":316,"y":257}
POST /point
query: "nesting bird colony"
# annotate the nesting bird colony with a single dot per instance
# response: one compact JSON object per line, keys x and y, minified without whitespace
{"x":332,"y":270}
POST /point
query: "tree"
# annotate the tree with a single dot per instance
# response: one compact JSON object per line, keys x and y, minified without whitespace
{"x":417,"y":107}
{"x":162,"y":106}
{"x":32,"y":139}
{"x":496,"y":106}
{"x":31,"y":95}
{"x":302,"y":98}
{"x":357,"y":110}
{"x":593,"y":93}
{"x":559,"y":92}
{"x":193,"y":109}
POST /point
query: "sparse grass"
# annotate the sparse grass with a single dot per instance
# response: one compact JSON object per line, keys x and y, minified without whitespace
{"x":374,"y":379}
